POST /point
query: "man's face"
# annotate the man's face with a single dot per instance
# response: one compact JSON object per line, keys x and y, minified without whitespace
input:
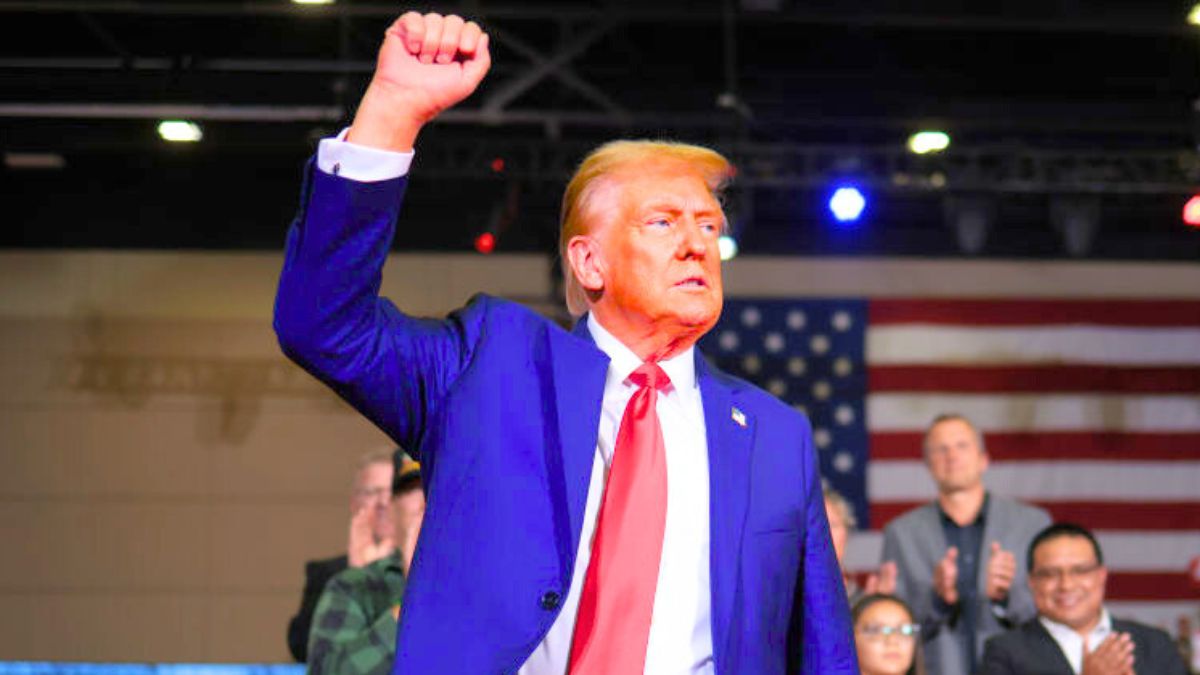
{"x":373,"y":489}
{"x":1068,"y":582}
{"x":658,"y":226}
{"x":838,"y":531}
{"x":955,"y":459}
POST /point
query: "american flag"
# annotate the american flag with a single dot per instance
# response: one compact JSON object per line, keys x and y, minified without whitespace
{"x":1090,"y":409}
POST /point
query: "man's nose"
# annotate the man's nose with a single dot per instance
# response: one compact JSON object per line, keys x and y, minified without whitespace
{"x":694,"y":243}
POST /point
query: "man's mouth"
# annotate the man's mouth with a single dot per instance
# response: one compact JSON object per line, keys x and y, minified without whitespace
{"x":693,"y":282}
{"x":1067,"y":601}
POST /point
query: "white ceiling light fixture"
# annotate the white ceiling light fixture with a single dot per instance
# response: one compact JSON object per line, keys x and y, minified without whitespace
{"x":180,"y":131}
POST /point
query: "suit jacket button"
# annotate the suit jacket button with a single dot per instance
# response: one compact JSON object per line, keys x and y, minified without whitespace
{"x":549,"y":600}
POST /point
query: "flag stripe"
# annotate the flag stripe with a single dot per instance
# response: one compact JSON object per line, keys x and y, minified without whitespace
{"x":1162,"y":516}
{"x":1032,"y":379}
{"x":904,"y":480}
{"x":1054,"y":445}
{"x":1128,"y":586}
{"x":1032,"y":312}
{"x":912,"y":344}
{"x":1163,"y":614}
{"x":1123,"y":551}
{"x":1038,"y":412}
{"x":1150,"y":586}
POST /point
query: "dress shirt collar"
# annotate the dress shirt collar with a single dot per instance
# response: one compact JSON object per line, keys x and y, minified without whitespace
{"x":1071,"y":643}
{"x":1057,"y":629}
{"x":980,"y":518}
{"x":680,"y":368}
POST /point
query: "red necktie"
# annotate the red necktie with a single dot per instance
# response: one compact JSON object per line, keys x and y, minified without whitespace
{"x":613,"y":625}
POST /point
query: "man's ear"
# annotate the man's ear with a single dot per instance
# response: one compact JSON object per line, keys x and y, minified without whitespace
{"x":586,"y":258}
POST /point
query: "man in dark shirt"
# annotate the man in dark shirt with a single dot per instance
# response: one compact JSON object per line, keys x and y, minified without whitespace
{"x":954,"y":557}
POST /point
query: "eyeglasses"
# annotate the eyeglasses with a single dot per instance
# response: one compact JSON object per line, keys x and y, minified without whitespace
{"x":879,"y":633}
{"x":384,"y":493}
{"x":1045,"y":575}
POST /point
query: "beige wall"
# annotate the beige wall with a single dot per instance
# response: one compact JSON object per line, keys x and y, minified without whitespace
{"x":164,"y":472}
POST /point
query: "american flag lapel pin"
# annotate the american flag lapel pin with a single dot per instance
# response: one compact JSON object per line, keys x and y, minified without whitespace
{"x":738,"y":416}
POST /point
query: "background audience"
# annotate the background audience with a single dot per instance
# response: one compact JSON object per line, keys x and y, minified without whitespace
{"x":1073,"y":632}
{"x":955,"y":562}
{"x":354,"y":626}
{"x":886,"y":636}
{"x":371,"y":537}
{"x":842,"y":524}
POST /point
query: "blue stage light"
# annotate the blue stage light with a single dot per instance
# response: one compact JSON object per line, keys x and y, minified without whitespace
{"x":847,"y":204}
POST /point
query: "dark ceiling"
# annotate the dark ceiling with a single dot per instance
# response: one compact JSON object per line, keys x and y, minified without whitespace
{"x":1065,"y":115}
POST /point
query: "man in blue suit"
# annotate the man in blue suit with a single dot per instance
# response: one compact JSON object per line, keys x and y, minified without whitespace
{"x":600,"y":500}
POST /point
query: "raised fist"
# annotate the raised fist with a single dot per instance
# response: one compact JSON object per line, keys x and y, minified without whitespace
{"x":428,"y":62}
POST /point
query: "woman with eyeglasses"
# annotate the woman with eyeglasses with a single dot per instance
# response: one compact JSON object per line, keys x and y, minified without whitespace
{"x":887,"y":636}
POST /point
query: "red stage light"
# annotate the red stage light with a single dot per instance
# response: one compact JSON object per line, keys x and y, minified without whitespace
{"x":485,"y":243}
{"x":1191,"y":211}
{"x":498,"y":165}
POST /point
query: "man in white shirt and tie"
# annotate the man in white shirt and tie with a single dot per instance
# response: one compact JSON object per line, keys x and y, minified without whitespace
{"x":600,"y":501}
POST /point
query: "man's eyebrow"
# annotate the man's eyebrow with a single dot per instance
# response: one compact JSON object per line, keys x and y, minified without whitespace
{"x":676,"y":205}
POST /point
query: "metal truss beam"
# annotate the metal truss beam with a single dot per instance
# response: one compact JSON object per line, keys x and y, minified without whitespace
{"x":1048,"y":21}
{"x":987,"y":170}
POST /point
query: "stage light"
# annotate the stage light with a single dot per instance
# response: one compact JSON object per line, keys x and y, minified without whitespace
{"x":37,"y":161}
{"x":313,"y":2}
{"x":485,"y":243}
{"x":847,"y":204}
{"x":180,"y":131}
{"x":727,"y":246}
{"x":926,"y":142}
{"x":1191,"y":211}
{"x":497,"y":165}
{"x":1194,"y":15}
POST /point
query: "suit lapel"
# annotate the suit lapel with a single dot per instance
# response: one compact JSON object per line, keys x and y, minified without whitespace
{"x":579,"y":369}
{"x":992,"y":523}
{"x":1044,"y":650}
{"x":729,"y":454}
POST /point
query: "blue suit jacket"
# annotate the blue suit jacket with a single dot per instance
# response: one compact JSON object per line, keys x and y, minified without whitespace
{"x":502,"y":407}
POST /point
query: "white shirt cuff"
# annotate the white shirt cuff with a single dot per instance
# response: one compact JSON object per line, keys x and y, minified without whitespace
{"x":360,"y":163}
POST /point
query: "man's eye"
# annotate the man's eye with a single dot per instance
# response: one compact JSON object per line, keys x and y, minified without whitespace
{"x":660,"y":222}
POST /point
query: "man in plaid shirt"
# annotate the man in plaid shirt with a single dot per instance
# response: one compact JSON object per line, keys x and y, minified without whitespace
{"x":354,"y":627}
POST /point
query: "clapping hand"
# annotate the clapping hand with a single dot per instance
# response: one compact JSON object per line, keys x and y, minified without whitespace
{"x":945,"y":577}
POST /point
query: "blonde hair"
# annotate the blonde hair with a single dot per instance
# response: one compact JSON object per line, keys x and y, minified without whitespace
{"x":714,"y":170}
{"x":376,"y":456}
{"x":839,"y":503}
{"x":953,"y":417}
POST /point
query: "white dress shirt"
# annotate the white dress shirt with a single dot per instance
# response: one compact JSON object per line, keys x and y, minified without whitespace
{"x":1071,"y":643}
{"x":681,"y":626}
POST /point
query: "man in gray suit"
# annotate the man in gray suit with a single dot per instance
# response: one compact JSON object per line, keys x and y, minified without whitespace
{"x":954,"y":557}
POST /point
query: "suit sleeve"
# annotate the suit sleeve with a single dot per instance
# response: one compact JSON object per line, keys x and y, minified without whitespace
{"x":1020,"y":607}
{"x":914,"y":585}
{"x":996,"y":660}
{"x":1160,"y":655}
{"x":891,"y":552}
{"x":821,"y":634}
{"x":330,"y":319}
